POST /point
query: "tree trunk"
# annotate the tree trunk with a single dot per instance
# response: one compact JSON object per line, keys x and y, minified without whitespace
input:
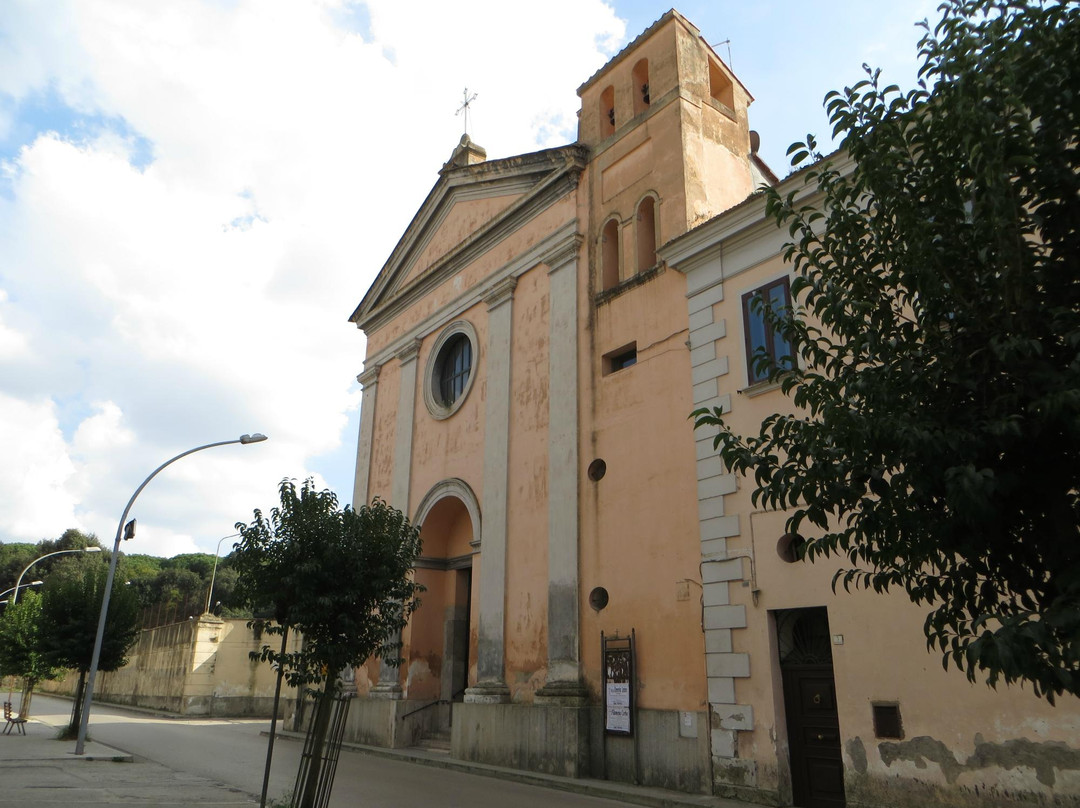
{"x":27,"y":695}
{"x":324,"y":708}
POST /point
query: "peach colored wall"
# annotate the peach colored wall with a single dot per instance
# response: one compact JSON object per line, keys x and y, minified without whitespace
{"x":883,"y":656}
{"x":423,"y":637}
{"x":453,"y":447}
{"x":479,"y":270}
{"x":464,"y":218}
{"x":639,"y":523}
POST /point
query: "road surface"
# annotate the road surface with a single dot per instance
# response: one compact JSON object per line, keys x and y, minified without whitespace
{"x":233,"y":751}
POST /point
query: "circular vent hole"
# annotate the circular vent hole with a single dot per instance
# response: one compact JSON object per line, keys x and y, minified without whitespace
{"x":598,"y":598}
{"x":790,"y":547}
{"x":597,"y":470}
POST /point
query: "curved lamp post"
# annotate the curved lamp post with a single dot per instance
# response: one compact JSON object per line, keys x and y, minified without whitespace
{"x":80,"y":744}
{"x":18,"y":583}
{"x":17,"y":588}
{"x":213,"y":575}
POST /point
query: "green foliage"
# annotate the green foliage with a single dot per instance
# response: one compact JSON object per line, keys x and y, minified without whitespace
{"x":20,"y":649}
{"x":341,"y":577}
{"x":71,"y":607}
{"x":937,"y":440}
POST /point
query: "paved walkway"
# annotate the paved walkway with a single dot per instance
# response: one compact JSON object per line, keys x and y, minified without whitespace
{"x":38,"y":770}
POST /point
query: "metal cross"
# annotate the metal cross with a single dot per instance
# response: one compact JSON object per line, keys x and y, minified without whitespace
{"x":464,"y":108}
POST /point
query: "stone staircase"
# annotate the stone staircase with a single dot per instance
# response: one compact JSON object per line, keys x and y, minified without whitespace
{"x":435,"y":741}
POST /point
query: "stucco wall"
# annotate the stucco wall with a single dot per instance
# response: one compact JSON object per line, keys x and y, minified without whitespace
{"x":197,"y":667}
{"x":961,"y":744}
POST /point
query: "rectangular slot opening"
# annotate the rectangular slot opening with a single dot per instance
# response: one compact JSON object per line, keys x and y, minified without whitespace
{"x":620,"y":359}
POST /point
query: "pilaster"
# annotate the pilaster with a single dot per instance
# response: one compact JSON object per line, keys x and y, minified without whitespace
{"x":399,"y":490}
{"x":369,"y":381}
{"x":388,"y":686}
{"x":564,"y":684}
{"x":490,"y":663}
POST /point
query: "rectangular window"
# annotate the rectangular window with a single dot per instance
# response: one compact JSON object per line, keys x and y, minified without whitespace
{"x":760,"y":334}
{"x":622,"y":358}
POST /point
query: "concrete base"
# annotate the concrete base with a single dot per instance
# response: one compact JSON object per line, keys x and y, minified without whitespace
{"x":553,"y":740}
{"x":393,"y":723}
{"x":668,"y":749}
{"x":488,"y":693}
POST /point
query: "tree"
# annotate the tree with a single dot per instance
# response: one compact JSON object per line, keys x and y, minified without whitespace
{"x":341,"y":577}
{"x":936,"y":443}
{"x":71,"y":607}
{"x":20,"y":647}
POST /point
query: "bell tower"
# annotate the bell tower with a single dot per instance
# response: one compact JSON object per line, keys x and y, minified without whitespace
{"x":665,"y":122}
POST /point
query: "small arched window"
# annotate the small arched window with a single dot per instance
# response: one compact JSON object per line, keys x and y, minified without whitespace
{"x":609,"y":255}
{"x":646,"y":234}
{"x":640,"y":77}
{"x":607,"y":112}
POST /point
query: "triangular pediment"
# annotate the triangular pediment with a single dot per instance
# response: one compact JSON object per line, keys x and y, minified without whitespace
{"x":469,"y":210}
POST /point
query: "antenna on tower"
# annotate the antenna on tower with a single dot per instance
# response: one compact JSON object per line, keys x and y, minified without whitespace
{"x":728,"y":43}
{"x":464,"y":108}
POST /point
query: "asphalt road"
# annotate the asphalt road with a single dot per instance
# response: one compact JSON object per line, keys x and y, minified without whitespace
{"x":233,"y":752}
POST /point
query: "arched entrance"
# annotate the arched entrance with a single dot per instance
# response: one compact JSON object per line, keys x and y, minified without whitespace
{"x":441,"y":642}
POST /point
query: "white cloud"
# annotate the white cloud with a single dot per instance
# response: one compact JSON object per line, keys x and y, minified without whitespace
{"x":154,"y":306}
{"x":36,"y":471}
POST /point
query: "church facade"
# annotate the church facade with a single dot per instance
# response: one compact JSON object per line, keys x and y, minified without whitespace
{"x":602,"y":599}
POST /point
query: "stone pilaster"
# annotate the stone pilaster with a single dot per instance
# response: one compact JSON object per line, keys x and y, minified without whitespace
{"x":369,"y":381}
{"x":399,"y":492}
{"x":388,"y":686}
{"x":564,"y":684}
{"x":490,"y":662}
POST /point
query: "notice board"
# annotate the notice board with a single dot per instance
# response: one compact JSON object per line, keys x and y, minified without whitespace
{"x":618,"y":685}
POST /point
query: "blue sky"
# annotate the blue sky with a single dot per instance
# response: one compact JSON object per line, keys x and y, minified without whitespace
{"x":194,"y":196}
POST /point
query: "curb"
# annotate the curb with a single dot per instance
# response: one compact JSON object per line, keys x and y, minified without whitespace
{"x":605,"y":789}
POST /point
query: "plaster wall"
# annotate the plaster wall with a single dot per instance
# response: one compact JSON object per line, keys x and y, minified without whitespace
{"x":962,"y":744}
{"x":197,"y":667}
{"x":639,"y":522}
{"x":464,"y":218}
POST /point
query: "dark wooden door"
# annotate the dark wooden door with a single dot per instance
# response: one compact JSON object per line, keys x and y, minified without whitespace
{"x":817,"y":771}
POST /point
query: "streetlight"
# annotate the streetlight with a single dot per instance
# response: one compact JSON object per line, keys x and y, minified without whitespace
{"x":18,"y":583}
{"x":80,"y":744}
{"x":15,"y":588}
{"x":213,"y":575}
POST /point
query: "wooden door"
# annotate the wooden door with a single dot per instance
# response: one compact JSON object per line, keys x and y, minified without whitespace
{"x":817,"y":770}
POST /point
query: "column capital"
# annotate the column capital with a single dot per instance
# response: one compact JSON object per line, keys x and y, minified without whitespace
{"x":563,"y":254}
{"x":370,"y":376}
{"x":502,"y":292}
{"x":408,"y":352}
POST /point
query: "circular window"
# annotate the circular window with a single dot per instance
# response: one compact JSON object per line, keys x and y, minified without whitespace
{"x":450,"y":369}
{"x":597,"y":470}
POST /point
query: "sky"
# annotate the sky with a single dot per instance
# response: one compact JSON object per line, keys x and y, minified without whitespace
{"x":195,"y":195}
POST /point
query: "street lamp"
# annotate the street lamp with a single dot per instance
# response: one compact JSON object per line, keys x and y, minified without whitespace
{"x":80,"y":744}
{"x":18,"y":583}
{"x":213,"y":575}
{"x":24,"y":586}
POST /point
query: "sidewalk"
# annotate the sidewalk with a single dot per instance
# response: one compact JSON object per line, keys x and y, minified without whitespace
{"x":36,"y":769}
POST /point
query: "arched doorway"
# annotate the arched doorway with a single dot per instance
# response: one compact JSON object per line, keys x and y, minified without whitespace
{"x":441,"y":641}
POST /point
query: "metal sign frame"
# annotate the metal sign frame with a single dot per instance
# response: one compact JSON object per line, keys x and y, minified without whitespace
{"x":618,"y":670}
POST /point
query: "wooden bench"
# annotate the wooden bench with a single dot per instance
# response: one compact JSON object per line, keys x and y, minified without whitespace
{"x":13,"y":720}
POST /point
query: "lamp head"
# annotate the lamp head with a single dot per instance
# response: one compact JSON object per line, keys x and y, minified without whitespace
{"x":91,"y":549}
{"x":258,"y":437}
